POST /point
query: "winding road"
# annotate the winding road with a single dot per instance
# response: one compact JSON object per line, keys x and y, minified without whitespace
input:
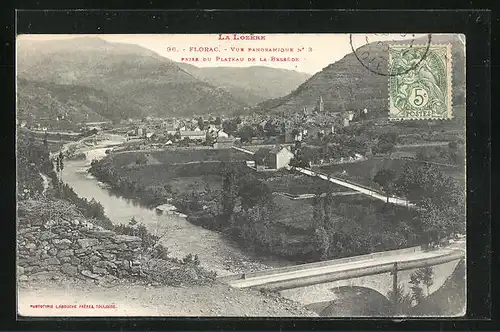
{"x":350,"y":185}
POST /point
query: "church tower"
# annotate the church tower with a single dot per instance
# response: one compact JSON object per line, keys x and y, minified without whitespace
{"x":321,"y":107}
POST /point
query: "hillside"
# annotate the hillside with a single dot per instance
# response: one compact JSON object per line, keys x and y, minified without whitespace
{"x":38,"y":101}
{"x":136,"y":76}
{"x":251,"y":85}
{"x":346,"y":84}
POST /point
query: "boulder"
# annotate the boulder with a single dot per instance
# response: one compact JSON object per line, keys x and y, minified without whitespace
{"x":94,"y":259}
{"x":38,"y":269}
{"x":69,"y":269}
{"x":85,"y":243}
{"x":65,"y":253}
{"x":108,"y":256}
{"x":99,"y":270}
{"x":89,"y":274}
{"x":28,"y":269}
{"x":52,"y":251}
{"x":30,"y":245}
{"x":26,"y":261}
{"x":99,"y":233}
{"x":50,"y":223}
{"x":62,"y":243}
{"x":28,"y":230}
{"x":44,"y":275}
{"x":65,"y":259}
{"x":75,"y":261}
{"x":53,"y":261}
{"x":46,"y":235}
{"x":127,"y":239}
{"x":83,"y":251}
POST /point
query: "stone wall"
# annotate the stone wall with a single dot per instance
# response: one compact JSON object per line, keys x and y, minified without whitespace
{"x":76,"y":248}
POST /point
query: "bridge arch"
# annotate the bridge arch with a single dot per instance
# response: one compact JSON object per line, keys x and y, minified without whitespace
{"x":380,"y":283}
{"x":354,"y":302}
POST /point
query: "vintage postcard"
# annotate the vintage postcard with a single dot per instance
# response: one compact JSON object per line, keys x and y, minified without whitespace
{"x":248,"y":175}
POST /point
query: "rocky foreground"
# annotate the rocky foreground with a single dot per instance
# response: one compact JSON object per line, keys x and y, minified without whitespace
{"x":85,"y":298}
{"x":69,"y":266}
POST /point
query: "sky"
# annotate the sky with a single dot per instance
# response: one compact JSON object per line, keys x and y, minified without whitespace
{"x":319,"y":50}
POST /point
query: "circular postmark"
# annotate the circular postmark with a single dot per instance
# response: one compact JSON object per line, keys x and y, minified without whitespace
{"x":372,"y":51}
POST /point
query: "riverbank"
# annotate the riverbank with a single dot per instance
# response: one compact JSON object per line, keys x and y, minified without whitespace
{"x":242,"y":204}
{"x":58,"y":274}
{"x":215,"y":251}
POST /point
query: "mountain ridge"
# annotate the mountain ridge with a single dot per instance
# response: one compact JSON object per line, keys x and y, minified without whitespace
{"x":346,"y":84}
{"x":127,"y":72}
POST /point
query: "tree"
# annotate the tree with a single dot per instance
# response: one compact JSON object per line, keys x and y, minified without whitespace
{"x":201,"y":123}
{"x":246,"y":133}
{"x":230,"y":126}
{"x":417,"y":294}
{"x":217,"y":121}
{"x":400,"y":300}
{"x":229,"y":191}
{"x":45,"y":141}
{"x":385,"y":178}
{"x":440,"y":198}
{"x":270,"y":128}
{"x":422,"y":276}
{"x":322,"y":240}
{"x":318,"y":211}
{"x":133,"y":222}
{"x":426,"y":153}
{"x":253,"y":192}
{"x":386,"y":143}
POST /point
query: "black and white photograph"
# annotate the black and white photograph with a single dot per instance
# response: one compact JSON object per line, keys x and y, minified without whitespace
{"x":241,"y":175}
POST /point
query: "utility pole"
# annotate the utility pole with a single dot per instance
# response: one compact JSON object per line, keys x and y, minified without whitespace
{"x":395,"y":277}
{"x":394,"y":274}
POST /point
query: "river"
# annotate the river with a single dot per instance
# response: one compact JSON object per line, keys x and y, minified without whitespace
{"x":215,"y":251}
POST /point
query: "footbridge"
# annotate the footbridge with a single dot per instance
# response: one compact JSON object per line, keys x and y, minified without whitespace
{"x":378,"y":271}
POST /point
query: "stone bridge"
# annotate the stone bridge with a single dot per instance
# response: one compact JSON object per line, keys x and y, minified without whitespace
{"x":315,"y":282}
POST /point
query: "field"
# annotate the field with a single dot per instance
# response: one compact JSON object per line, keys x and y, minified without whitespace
{"x":297,"y":184}
{"x":364,"y":171}
{"x":294,"y":213}
{"x":183,"y":179}
{"x":180,"y":156}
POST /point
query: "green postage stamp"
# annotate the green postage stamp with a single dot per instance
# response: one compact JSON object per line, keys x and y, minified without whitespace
{"x":420,"y":82}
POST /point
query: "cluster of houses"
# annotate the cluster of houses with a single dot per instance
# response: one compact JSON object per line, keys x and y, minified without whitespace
{"x":312,"y":121}
{"x":169,"y":132}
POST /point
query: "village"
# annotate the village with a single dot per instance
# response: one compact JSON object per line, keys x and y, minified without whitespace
{"x":208,"y":176}
{"x":264,"y":135}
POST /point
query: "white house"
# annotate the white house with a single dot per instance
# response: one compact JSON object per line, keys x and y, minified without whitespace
{"x":194,"y":135}
{"x":280,"y":157}
{"x":222,"y":134}
{"x":350,"y":115}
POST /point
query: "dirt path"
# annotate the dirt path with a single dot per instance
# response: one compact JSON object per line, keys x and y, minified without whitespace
{"x":138,"y":300}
